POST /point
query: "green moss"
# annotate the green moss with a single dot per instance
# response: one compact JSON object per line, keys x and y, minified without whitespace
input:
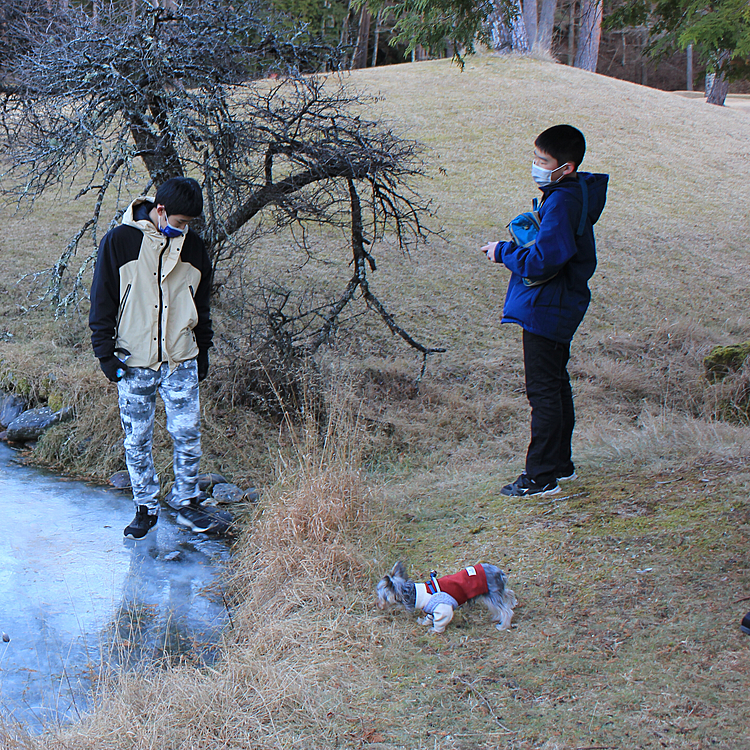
{"x":724,"y":360}
{"x":55,"y":401}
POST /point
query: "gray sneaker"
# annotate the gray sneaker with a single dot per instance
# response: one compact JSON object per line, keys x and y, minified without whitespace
{"x":195,"y":518}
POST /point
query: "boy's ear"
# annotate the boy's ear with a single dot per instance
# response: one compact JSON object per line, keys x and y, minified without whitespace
{"x":569,"y":168}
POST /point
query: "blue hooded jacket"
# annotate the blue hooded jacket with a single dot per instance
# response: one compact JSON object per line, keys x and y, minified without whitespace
{"x":555,"y":308}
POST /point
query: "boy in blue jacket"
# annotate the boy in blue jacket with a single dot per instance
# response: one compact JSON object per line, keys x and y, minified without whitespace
{"x":548,"y":295}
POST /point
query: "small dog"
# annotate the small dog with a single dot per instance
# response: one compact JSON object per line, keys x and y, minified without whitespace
{"x":439,"y":597}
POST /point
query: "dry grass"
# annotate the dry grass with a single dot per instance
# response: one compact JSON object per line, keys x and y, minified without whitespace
{"x":630,"y":584}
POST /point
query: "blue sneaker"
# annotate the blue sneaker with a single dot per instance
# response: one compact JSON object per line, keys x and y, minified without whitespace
{"x":745,"y":626}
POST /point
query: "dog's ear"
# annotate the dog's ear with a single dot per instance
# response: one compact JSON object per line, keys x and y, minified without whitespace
{"x":399,"y":571}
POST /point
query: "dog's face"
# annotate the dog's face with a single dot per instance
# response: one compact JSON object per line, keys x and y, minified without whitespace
{"x":390,"y":587}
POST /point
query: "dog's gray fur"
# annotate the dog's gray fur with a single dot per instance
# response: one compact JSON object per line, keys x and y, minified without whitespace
{"x":397,"y":589}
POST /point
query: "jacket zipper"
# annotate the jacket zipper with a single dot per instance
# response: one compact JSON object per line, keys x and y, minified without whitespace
{"x":122,"y":309}
{"x":161,"y":301}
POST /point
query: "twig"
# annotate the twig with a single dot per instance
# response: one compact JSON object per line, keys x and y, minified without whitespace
{"x":226,"y":606}
{"x":484,"y":700}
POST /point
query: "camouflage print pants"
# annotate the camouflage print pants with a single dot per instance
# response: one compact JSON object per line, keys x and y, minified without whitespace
{"x":137,"y":399}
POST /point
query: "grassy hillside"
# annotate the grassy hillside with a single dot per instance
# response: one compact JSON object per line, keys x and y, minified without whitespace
{"x":631,"y":584}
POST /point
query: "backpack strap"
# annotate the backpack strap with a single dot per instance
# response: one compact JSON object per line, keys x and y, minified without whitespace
{"x":584,"y":207}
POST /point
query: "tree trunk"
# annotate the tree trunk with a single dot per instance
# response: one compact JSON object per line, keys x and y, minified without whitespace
{"x":546,"y":26}
{"x":587,"y":54}
{"x":519,"y":37}
{"x":530,"y":21}
{"x":376,"y":40}
{"x":363,"y":39}
{"x":571,"y":32}
{"x":716,"y":92}
{"x":508,"y":33}
{"x":345,"y":24}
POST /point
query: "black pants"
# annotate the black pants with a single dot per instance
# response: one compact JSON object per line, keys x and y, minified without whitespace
{"x":552,"y":413}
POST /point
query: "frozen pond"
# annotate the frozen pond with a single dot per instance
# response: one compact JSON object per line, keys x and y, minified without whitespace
{"x":76,"y":597}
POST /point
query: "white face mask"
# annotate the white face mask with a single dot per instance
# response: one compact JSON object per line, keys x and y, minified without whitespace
{"x":542,"y":176}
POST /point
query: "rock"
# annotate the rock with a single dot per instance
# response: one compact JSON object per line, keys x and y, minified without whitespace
{"x":32,"y":423}
{"x":251,"y":495}
{"x":205,"y":481}
{"x":120,"y":479}
{"x":11,"y":406}
{"x":227,"y":493}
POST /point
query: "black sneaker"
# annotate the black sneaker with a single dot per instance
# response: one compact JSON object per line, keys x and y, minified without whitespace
{"x":195,"y":518}
{"x":745,"y":627}
{"x":141,"y":524}
{"x":525,"y":486}
{"x":566,"y":473}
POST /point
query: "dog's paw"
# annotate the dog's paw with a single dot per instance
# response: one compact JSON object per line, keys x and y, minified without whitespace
{"x":425,"y":620}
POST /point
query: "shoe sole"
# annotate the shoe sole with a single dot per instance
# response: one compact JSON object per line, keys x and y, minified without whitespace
{"x":569,"y":478}
{"x":545,"y":493}
{"x":187,"y":523}
{"x":133,"y":536}
{"x":137,"y":538}
{"x":745,"y":629}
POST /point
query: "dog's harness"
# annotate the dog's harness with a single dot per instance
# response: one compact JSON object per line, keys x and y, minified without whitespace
{"x":433,"y":587}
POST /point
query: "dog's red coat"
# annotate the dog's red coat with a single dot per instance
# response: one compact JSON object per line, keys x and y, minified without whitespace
{"x":462,"y":586}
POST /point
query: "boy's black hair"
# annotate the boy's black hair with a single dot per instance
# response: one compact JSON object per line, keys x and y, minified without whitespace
{"x":180,"y":195}
{"x":563,"y":143}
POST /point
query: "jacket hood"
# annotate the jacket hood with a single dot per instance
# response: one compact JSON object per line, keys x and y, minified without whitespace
{"x":129,"y":217}
{"x":597,"y":190}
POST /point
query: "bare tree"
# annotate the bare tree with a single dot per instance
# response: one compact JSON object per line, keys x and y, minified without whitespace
{"x":184,"y":91}
{"x":589,"y":35}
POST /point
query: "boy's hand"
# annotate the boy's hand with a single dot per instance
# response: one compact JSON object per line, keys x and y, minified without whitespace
{"x":202,"y":364}
{"x":113,"y":368}
{"x":489,"y":251}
